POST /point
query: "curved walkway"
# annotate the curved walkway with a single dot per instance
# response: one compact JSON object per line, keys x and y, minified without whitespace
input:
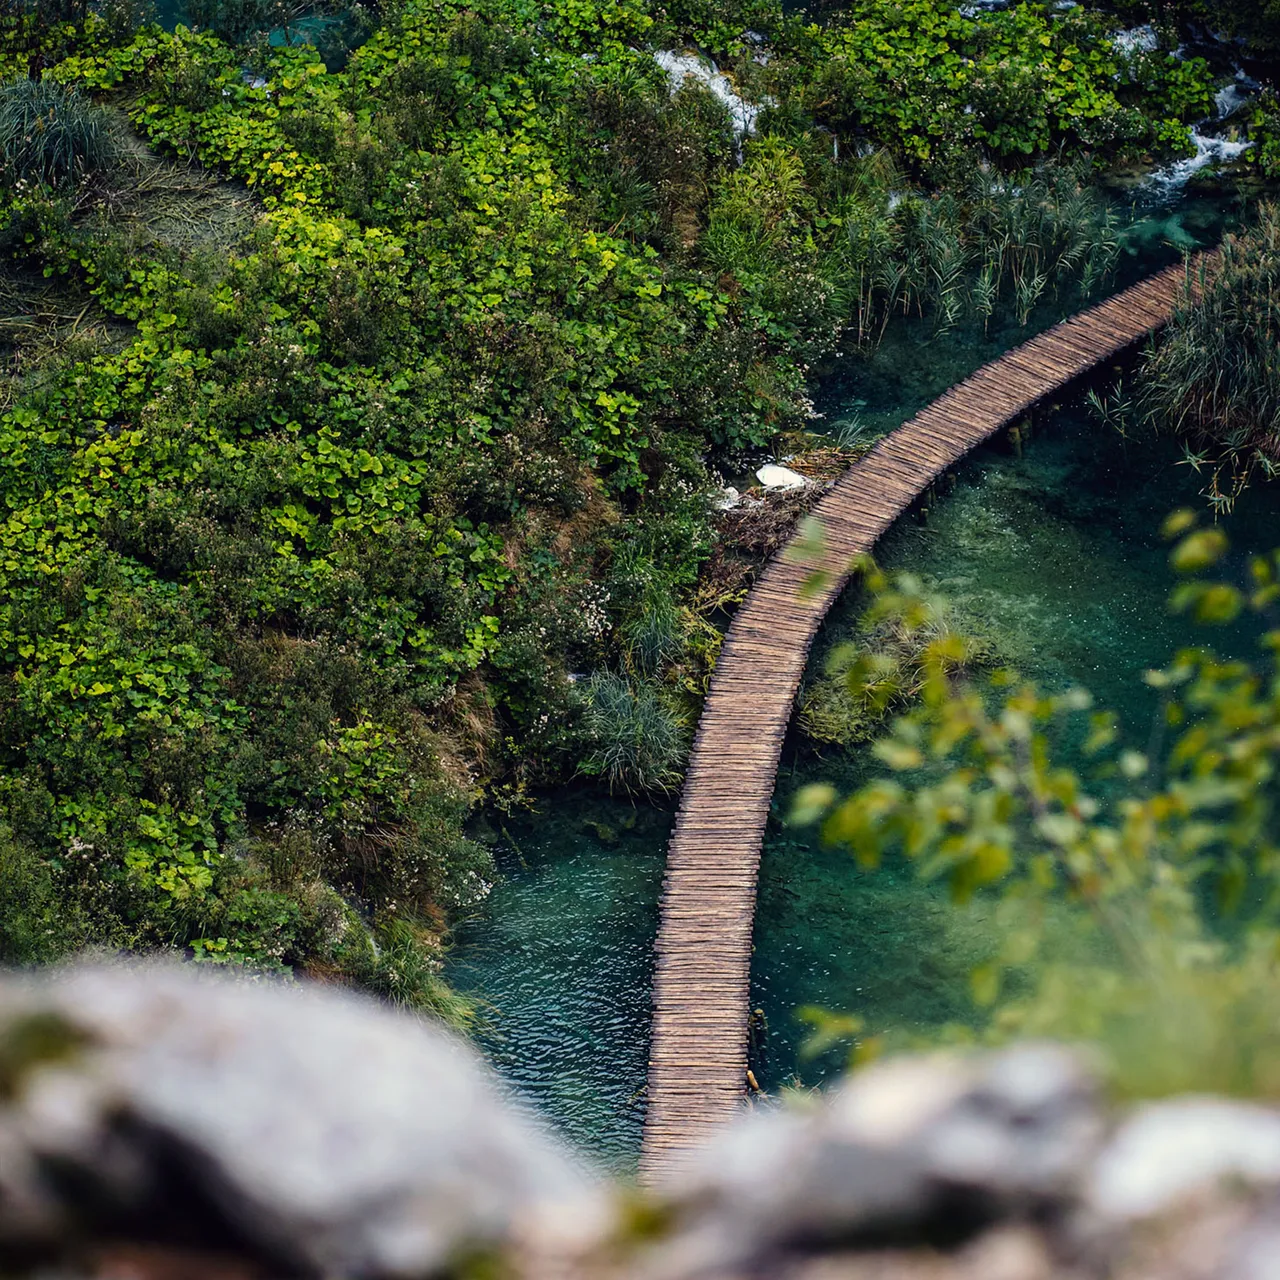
{"x":697,"y":1055}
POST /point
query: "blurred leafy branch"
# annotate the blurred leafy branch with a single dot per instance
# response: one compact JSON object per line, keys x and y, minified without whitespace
{"x":1137,"y":901}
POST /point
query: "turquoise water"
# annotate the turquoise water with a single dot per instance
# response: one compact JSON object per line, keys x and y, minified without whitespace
{"x":562,"y":959}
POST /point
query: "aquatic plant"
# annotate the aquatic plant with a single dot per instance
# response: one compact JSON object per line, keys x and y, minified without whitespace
{"x":886,"y":665}
{"x":52,"y":135}
{"x":636,"y":740}
{"x":1214,"y":379}
{"x":968,"y":250}
{"x":851,"y":432}
{"x":404,"y":968}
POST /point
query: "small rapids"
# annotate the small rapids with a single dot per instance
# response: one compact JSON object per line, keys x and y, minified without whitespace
{"x":1166,"y":183}
{"x":682,"y":66}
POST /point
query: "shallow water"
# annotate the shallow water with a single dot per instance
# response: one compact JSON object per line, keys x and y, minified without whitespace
{"x":562,"y":958}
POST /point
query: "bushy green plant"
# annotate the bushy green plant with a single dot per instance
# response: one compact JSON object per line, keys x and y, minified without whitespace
{"x":939,"y":85}
{"x":1215,"y":379}
{"x":1135,"y":903}
{"x":52,"y":135}
{"x":636,"y":741}
{"x":1264,"y":133}
{"x":896,"y":651}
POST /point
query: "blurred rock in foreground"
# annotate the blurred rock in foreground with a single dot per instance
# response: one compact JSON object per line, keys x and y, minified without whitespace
{"x":157,"y":1123}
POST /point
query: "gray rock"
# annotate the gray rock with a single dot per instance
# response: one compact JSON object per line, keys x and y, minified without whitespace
{"x":1169,"y":1152}
{"x":921,"y":1149}
{"x":318,"y":1131}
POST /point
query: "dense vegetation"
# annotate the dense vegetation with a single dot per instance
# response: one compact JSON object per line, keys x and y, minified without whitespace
{"x":306,"y":540}
{"x":1215,"y":380}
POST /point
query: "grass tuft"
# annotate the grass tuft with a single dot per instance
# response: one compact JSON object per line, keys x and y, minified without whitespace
{"x":52,"y":136}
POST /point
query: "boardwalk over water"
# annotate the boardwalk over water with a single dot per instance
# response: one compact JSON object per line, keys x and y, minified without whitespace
{"x":698,"y":1055}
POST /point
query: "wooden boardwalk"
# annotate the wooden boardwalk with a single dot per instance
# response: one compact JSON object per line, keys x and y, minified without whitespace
{"x":697,"y":1054}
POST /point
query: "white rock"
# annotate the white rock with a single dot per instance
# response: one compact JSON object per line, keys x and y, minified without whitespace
{"x":773,"y":476}
{"x":1169,"y":1150}
{"x":895,"y":1148}
{"x":336,"y":1135}
{"x":728,"y":499}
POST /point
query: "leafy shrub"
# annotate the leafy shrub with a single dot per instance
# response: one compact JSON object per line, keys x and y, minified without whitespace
{"x":897,"y":650}
{"x":636,"y":740}
{"x":52,"y":135}
{"x":1214,"y":380}
{"x":1264,"y":132}
{"x":937,"y":84}
{"x":1135,"y":902}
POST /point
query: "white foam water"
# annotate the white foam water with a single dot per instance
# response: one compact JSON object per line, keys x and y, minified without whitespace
{"x":1141,"y":39}
{"x":1167,"y":182}
{"x":681,"y":66}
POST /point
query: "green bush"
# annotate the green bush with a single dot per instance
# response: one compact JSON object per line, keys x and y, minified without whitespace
{"x":52,"y":135}
{"x":1134,"y":901}
{"x":636,"y":741}
{"x":1214,"y":381}
{"x":940,"y":87}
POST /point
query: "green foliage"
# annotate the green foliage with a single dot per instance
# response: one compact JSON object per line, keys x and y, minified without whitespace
{"x":1215,"y":379}
{"x":637,"y":740}
{"x":935,"y":85}
{"x":1255,"y":22}
{"x":295,"y":567}
{"x":1264,"y":132}
{"x":51,"y":135}
{"x":1136,"y":903}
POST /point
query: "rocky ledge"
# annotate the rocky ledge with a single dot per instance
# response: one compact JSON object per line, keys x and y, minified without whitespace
{"x":158,"y":1123}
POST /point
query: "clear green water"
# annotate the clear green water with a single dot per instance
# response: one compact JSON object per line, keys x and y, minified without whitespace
{"x":1056,"y":549}
{"x":1056,"y":556}
{"x":562,"y":959}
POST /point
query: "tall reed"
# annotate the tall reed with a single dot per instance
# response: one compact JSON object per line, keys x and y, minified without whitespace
{"x":1214,"y":380}
{"x":966,"y":253}
{"x":52,"y":135}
